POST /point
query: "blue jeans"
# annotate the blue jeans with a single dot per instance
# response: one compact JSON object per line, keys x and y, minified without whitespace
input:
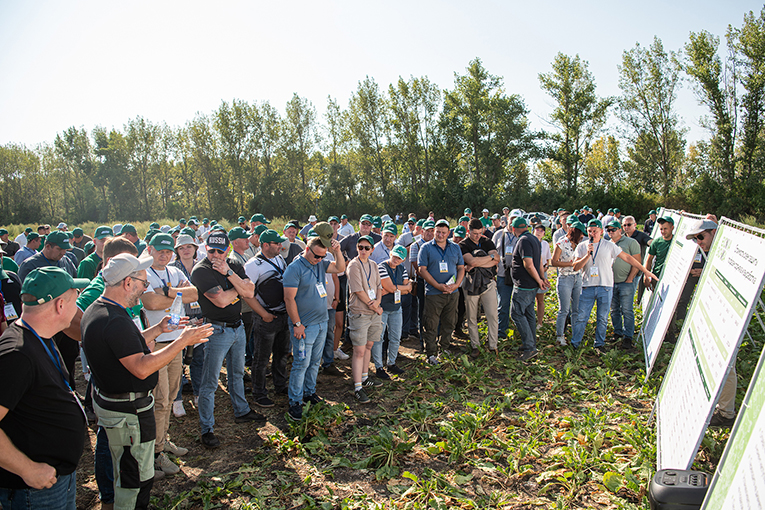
{"x":328,"y":354}
{"x":304,"y":371}
{"x":590,"y":296}
{"x":228,"y":344}
{"x":103,"y":467}
{"x":505,"y":296}
{"x":569,"y":289}
{"x":622,"y":308}
{"x":392,"y":321}
{"x":408,"y":315}
{"x":62,"y":496}
{"x":195,"y":371}
{"x":524,"y":315}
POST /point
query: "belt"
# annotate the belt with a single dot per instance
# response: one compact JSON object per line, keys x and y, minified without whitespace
{"x":232,"y":325}
{"x":122,"y":397}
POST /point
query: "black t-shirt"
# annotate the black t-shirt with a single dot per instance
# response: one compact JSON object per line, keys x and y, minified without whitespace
{"x":204,"y":278}
{"x":527,"y":246}
{"x":108,"y":335}
{"x":11,"y":248}
{"x":10,"y":288}
{"x":348,"y":244}
{"x":468,"y":246}
{"x":44,"y":420}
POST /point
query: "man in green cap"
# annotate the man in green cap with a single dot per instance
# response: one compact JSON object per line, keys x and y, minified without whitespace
{"x":53,"y":254}
{"x":382,"y":248}
{"x":7,"y":263}
{"x":657,"y":252}
{"x":129,"y":232}
{"x":29,"y":249}
{"x":10,"y":247}
{"x":258,"y":219}
{"x":346,"y":229}
{"x":650,"y":222}
{"x":42,"y":427}
{"x":253,"y":242}
{"x":91,"y":264}
{"x":348,"y":244}
{"x":80,"y":239}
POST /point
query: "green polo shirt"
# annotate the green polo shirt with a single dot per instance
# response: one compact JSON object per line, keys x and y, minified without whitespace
{"x":93,"y":291}
{"x":88,"y":267}
{"x":659,"y":249}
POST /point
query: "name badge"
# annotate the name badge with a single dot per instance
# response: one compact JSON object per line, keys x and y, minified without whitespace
{"x":594,"y":272}
{"x":10,"y":312}
{"x":443,"y":267}
{"x":195,"y":305}
{"x":697,"y":258}
{"x":508,"y":250}
{"x":321,"y":290}
{"x":452,"y":280}
{"x":235,"y":301}
{"x":397,"y":296}
{"x":372,"y":294}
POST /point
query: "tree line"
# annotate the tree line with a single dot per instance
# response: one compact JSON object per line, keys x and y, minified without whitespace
{"x":414,"y":147}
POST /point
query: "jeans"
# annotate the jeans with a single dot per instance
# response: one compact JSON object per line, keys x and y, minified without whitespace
{"x":524,"y":315}
{"x":569,"y":289}
{"x":392,"y":321}
{"x":328,"y":354}
{"x":488,"y":299}
{"x":62,"y":496}
{"x":622,"y":307}
{"x":408,"y":315}
{"x":505,"y":293}
{"x":590,"y":296}
{"x":304,"y":371}
{"x":273,"y":338}
{"x":228,"y":344}
{"x":103,"y":467}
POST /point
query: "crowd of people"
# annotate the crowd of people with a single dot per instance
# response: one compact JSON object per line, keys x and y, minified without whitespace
{"x":280,"y":305}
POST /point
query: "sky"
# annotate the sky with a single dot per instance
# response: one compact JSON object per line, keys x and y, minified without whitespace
{"x":89,"y":63}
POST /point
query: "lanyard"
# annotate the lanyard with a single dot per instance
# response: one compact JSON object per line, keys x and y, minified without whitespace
{"x":369,"y":285}
{"x":46,"y":260}
{"x":179,"y":265}
{"x":279,"y":269}
{"x":596,"y":253}
{"x":442,"y":252}
{"x":392,"y":273}
{"x":113,"y":302}
{"x":310,"y":266}
{"x":162,"y":279}
{"x":54,"y":359}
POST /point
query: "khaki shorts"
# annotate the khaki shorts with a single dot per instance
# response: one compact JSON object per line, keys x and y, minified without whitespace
{"x":364,"y":328}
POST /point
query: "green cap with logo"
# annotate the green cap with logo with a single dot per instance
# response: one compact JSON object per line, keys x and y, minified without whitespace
{"x":103,"y":232}
{"x":390,"y":228}
{"x":162,"y":241}
{"x":333,"y":218}
{"x":464,"y":218}
{"x":467,"y":211}
{"x":520,"y":222}
{"x":128,"y":228}
{"x":666,"y":219}
{"x":325,"y":232}
{"x":594,"y":223}
{"x":399,"y":251}
{"x":579,"y":226}
{"x":377,"y":222}
{"x":259,"y":229}
{"x":187,"y":230}
{"x":238,"y":233}
{"x":442,"y":223}
{"x":460,"y":231}
{"x":259,"y":217}
{"x":154,"y":225}
{"x":241,"y":219}
{"x":367,"y":217}
{"x":77,"y":232}
{"x":48,"y":283}
{"x":271,"y":236}
{"x":367,"y":239}
{"x":59,"y":238}
{"x":428,"y":224}
{"x":614,"y":223}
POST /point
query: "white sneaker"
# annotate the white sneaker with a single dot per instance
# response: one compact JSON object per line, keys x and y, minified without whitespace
{"x":433,"y":360}
{"x":562,"y":341}
{"x":196,"y":401}
{"x":178,"y":451}
{"x":339,"y":354}
{"x":178,"y":409}
{"x":164,"y":464}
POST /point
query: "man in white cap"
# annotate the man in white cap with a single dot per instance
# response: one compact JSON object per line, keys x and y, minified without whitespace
{"x":312,"y":219}
{"x":124,"y":373}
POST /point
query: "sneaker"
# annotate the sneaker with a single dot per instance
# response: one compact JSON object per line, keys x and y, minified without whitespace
{"x":339,"y":354}
{"x":178,"y":410}
{"x":178,"y":451}
{"x":614,"y":339}
{"x":251,"y":416}
{"x":718,"y":420}
{"x":626,"y":343}
{"x":264,"y":402}
{"x":331,"y":370}
{"x":158,"y":475}
{"x":394,"y":369}
{"x":527,"y":355}
{"x":196,"y":400}
{"x":313,"y":399}
{"x":561,"y":341}
{"x":209,"y":440}
{"x":458,"y":333}
{"x":295,"y":412}
{"x":475,"y":353}
{"x":371,"y":382}
{"x":380,"y":373}
{"x":601,"y":349}
{"x":362,"y":397}
{"x":163,"y":463}
{"x":432,"y":360}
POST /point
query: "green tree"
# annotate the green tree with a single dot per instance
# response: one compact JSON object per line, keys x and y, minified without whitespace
{"x":300,"y":136}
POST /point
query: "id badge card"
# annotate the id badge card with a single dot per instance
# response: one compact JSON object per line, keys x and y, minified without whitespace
{"x":137,"y":322}
{"x":594,"y":271}
{"x":697,"y":258}
{"x":372,"y":294}
{"x":452,"y":280}
{"x":443,"y":267}
{"x":195,"y":306}
{"x":10,"y":312}
{"x":397,"y":296}
{"x":321,"y":290}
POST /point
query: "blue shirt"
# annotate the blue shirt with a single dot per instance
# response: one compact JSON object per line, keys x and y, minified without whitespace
{"x":303,"y":276}
{"x":431,"y":255}
{"x":23,"y":254}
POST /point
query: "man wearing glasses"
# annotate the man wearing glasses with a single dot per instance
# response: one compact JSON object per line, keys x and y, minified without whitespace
{"x":623,"y":301}
{"x":221,"y":284}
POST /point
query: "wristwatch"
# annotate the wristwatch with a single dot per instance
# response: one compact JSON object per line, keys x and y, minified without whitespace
{"x":229,"y":272}
{"x":298,"y":324}
{"x":166,"y":290}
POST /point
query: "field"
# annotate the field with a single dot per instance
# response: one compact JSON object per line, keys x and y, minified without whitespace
{"x":568,"y":430}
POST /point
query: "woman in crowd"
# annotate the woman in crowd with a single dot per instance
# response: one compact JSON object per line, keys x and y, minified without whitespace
{"x":569,"y":281}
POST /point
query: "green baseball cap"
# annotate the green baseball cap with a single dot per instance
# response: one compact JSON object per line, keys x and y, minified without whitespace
{"x":76,"y":232}
{"x":614,"y":223}
{"x":3,"y":231}
{"x":128,"y":228}
{"x":48,"y":283}
{"x":399,"y":251}
{"x":666,"y":219}
{"x":259,"y":217}
{"x":154,"y":225}
{"x":213,"y":223}
{"x":186,"y":230}
{"x":520,"y":222}
{"x":103,"y":232}
{"x":205,"y":221}
{"x":467,"y":211}
{"x":60,"y":239}
{"x":460,"y":231}
{"x":259,"y":229}
{"x":495,"y":216}
{"x":271,"y":236}
{"x":192,"y":221}
{"x":162,"y":241}
{"x":88,"y":246}
{"x":464,"y":218}
{"x":367,"y":239}
{"x":420,"y":222}
{"x":32,"y":236}
{"x":241,"y":219}
{"x":428,"y":224}
{"x":182,"y":221}
{"x":616,"y":210}
{"x":594,"y":223}
{"x":238,"y":233}
{"x":390,"y":228}
{"x":325,"y":232}
{"x":333,"y":218}
{"x":442,"y":223}
{"x":377,"y":222}
{"x":344,"y":217}
{"x":579,"y":226}
{"x":652,"y":211}
{"x":367,"y":217}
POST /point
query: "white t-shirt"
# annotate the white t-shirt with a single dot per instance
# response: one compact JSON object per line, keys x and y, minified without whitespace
{"x":346,"y":230}
{"x":21,"y":239}
{"x":604,"y":253}
{"x":173,"y":277}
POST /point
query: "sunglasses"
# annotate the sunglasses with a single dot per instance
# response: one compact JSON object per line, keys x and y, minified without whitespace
{"x":215,"y":250}
{"x":317,"y":257}
{"x":364,"y":247}
{"x":627,"y":224}
{"x":700,"y":237}
{"x":611,"y":229}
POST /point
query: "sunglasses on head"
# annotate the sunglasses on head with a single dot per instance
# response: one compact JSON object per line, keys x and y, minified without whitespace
{"x":364,"y":247}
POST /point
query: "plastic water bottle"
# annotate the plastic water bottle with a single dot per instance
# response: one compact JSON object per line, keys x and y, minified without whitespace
{"x":301,"y":349}
{"x":176,"y":311}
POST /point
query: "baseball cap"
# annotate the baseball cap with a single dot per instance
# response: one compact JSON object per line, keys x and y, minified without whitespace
{"x":165,"y":229}
{"x":3,"y":231}
{"x":399,"y":251}
{"x":495,"y":216}
{"x":616,"y":210}
{"x":464,"y":218}
{"x":117,"y":229}
{"x":259,"y":230}
{"x":520,"y":222}
{"x":344,"y":217}
{"x":271,"y":236}
{"x":218,"y":240}
{"x":28,"y":230}
{"x":516,"y":213}
{"x":668,"y":219}
{"x":442,"y":223}
{"x":122,"y":265}
{"x":128,"y":228}
{"x":594,"y":223}
{"x":428,"y":224}
{"x":460,"y":231}
{"x":652,"y":211}
{"x":325,"y":233}
{"x":386,"y":218}
{"x":485,"y":210}
{"x":333,"y":218}
{"x":614,"y":223}
{"x":154,"y":225}
{"x":162,"y":241}
{"x":48,"y":283}
{"x":377,"y":222}
{"x":420,"y":222}
{"x":467,"y":211}
{"x":238,"y":233}
{"x":183,"y":240}
{"x":700,"y":227}
{"x":366,"y":217}
{"x":391,"y":228}
{"x":192,"y":221}
{"x":182,"y":221}
{"x":32,"y":236}
{"x":188,"y":231}
{"x":58,"y":238}
{"x":259,"y":217}
{"x":367,"y":239}
{"x":61,"y":225}
{"x":411,"y":220}
{"x":579,"y":226}
{"x":76,"y":232}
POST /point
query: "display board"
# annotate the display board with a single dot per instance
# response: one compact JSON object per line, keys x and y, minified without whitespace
{"x":738,"y":483}
{"x":646,"y":302}
{"x":719,"y":314}
{"x":667,"y":291}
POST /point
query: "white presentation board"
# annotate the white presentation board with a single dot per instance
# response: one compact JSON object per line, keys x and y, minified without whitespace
{"x":719,"y":314}
{"x":738,"y":483}
{"x":667,"y":291}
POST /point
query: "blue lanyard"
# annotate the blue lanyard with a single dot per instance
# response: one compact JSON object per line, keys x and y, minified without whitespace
{"x":369,"y":285}
{"x":53,"y":358}
{"x":46,"y":260}
{"x":596,"y":252}
{"x":392,"y":274}
{"x":113,"y":302}
{"x":279,"y":269}
{"x":310,"y":266}
{"x":162,"y":279}
{"x":443,"y":252}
